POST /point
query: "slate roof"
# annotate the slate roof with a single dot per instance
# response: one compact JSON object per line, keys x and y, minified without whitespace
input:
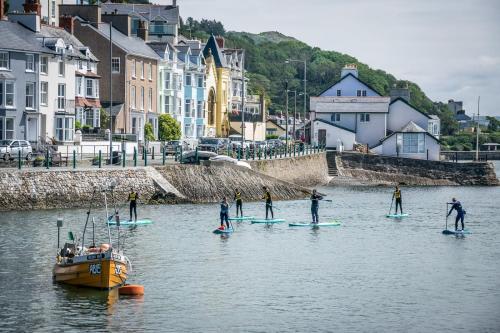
{"x":462,"y":117}
{"x":159,"y":47}
{"x":18,"y":38}
{"x":69,"y":39}
{"x":147,"y":11}
{"x":372,"y":104}
{"x":357,"y":78}
{"x":131,"y":45}
{"x":213,"y":48}
{"x":414,"y":108}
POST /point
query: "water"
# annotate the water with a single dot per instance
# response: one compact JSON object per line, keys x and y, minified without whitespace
{"x":372,"y":274}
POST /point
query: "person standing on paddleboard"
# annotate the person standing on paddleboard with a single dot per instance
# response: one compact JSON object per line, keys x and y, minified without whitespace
{"x":315,"y":197}
{"x":456,"y":205}
{"x":397,"y":195}
{"x":269,"y":202}
{"x":224,"y":213}
{"x":132,"y":197}
{"x":239,"y":202}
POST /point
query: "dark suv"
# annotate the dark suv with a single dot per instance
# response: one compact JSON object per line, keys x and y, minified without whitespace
{"x":216,"y":145}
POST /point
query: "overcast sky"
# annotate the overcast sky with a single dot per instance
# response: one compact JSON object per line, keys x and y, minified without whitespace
{"x":450,"y":48}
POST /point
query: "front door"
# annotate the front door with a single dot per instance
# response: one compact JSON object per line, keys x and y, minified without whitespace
{"x":322,"y":137}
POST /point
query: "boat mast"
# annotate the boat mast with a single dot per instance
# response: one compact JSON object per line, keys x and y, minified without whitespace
{"x":107,"y":216}
{"x":477,"y":130}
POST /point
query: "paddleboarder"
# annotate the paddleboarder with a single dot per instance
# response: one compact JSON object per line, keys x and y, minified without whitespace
{"x":397,"y":195}
{"x":224,"y":213}
{"x":315,"y":197}
{"x":456,"y":205}
{"x":239,"y":202}
{"x":269,"y":202}
{"x":132,"y":197}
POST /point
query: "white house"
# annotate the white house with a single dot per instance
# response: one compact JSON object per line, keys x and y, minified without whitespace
{"x":351,"y":111}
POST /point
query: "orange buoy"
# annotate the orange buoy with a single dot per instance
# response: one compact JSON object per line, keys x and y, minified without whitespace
{"x":131,"y":289}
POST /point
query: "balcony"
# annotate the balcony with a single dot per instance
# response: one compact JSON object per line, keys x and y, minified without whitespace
{"x":64,"y":106}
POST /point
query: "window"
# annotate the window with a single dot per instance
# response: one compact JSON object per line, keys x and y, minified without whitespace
{"x":61,"y":68}
{"x":80,"y":64}
{"x":364,"y":117}
{"x":335,"y":117}
{"x":199,"y":109}
{"x":412,"y":142}
{"x":179,"y":106}
{"x":44,"y":93}
{"x":339,"y":92}
{"x":150,"y":99}
{"x":200,"y":81}
{"x":178,"y":78}
{"x":168,"y":81}
{"x":89,"y":117}
{"x":9,"y":93}
{"x":30,"y":95}
{"x":90,"y":88}
{"x":1,"y":97}
{"x":142,"y":98}
{"x":188,"y":79}
{"x":142,"y":70}
{"x":115,"y":65}
{"x":53,"y":9}
{"x":61,"y":96}
{"x":64,"y":128}
{"x":168,"y":104}
{"x":187,"y":109}
{"x":150,"y":71}
{"x":4,"y":60}
{"x":199,"y":131}
{"x":44,"y":65}
{"x":78,"y":91}
{"x":9,"y":128}
{"x":132,"y":97}
{"x":363,"y":93}
{"x":134,"y":125}
{"x":188,"y":131}
{"x":133,"y":69}
{"x":30,"y":62}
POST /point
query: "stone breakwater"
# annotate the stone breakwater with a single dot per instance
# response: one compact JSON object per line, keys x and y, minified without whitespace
{"x":384,"y":169}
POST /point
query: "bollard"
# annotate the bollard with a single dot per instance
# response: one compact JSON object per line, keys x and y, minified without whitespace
{"x":175,"y":153}
{"x":294,"y":150}
{"x":124,"y":157}
{"x":239,"y":153}
{"x":253,"y":153}
{"x":19,"y":159}
{"x":196,"y":155}
{"x":265,"y":152}
{"x":281,"y":152}
{"x":145,"y":157}
{"x":259,"y":153}
{"x":163,"y":155}
{"x":228,"y":150}
{"x":74,"y":159}
{"x":100,"y":159}
{"x":180,"y":148}
{"x":153,"y":153}
{"x":135,"y":156}
{"x":247,"y":155}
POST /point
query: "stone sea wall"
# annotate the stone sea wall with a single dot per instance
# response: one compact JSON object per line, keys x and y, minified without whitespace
{"x":307,"y":170}
{"x":377,"y":168}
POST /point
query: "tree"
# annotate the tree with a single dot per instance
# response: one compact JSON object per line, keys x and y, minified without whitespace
{"x":148,"y":132}
{"x":494,"y":124}
{"x":169,"y":128}
{"x":104,"y":118}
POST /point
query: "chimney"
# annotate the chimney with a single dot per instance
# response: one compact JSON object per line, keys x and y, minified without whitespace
{"x":33,"y":6}
{"x":29,"y":20}
{"x":174,"y":3}
{"x":142,"y":31}
{"x":349,"y":69}
{"x":220,"y":41}
{"x":403,"y":93}
{"x":121,"y":22}
{"x":67,"y":22}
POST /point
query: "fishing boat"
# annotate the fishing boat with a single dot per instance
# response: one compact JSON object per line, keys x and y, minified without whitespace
{"x":101,"y":266}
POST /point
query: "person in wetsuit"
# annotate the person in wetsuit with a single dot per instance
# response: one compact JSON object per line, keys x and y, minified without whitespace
{"x":239,"y":202}
{"x":269,"y":202}
{"x":456,"y":205}
{"x":224,"y":213}
{"x":132,"y":197}
{"x":397,"y":195}
{"x":315,"y":197}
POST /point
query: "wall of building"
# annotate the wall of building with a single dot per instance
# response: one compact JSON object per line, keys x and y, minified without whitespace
{"x":333,"y":135}
{"x":347,"y":120}
{"x":401,"y":113}
{"x":371,"y":132}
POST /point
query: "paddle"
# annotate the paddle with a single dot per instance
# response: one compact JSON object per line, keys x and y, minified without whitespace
{"x":392,"y":201}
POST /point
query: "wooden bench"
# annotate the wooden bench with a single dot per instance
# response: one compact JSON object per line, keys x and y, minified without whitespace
{"x":58,"y":160}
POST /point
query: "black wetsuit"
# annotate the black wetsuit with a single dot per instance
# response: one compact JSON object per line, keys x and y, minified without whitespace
{"x":239,"y":203}
{"x":224,"y":214}
{"x":269,"y":204}
{"x":315,"y":206}
{"x":133,"y":196}
{"x":460,"y":213}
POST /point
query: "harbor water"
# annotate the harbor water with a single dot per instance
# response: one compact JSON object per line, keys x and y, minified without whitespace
{"x":371,"y":274}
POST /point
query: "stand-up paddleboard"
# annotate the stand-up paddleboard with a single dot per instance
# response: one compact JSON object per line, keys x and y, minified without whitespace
{"x":457,"y":232}
{"x":242,"y":218}
{"x":315,"y":225}
{"x":223,"y":231}
{"x":131,"y":223}
{"x":397,"y":216}
{"x":268,"y":221}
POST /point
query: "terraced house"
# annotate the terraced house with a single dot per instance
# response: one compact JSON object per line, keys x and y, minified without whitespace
{"x":133,"y":66}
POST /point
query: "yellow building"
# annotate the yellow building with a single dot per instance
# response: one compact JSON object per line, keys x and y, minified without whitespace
{"x":218,"y":89}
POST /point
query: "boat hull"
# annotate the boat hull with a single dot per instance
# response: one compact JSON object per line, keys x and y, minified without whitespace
{"x":105,"y":272}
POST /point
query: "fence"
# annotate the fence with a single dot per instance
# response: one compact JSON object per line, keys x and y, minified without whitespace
{"x":145,"y":157}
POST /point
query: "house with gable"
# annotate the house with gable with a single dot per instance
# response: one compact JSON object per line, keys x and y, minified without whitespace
{"x":352,"y":112}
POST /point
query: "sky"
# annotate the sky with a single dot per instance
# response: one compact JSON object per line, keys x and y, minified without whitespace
{"x":450,"y":48}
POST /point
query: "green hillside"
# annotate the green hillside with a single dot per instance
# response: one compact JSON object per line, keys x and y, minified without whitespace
{"x":267,"y":52}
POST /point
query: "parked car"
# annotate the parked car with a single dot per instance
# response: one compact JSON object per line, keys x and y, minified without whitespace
{"x":171,"y":147}
{"x":216,"y":145}
{"x":190,"y":156}
{"x":9,"y":149}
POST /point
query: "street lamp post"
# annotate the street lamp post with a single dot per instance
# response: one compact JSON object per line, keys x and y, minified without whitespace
{"x":294,"y":111}
{"x":305,"y":80}
{"x":286,"y":117}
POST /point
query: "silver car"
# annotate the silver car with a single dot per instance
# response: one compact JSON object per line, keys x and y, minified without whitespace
{"x":9,"y":149}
